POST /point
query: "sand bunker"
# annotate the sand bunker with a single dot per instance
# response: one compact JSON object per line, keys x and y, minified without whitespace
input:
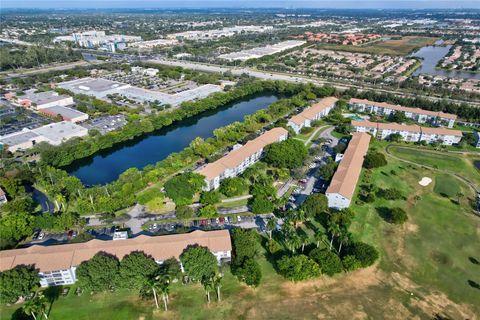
{"x":425,"y":181}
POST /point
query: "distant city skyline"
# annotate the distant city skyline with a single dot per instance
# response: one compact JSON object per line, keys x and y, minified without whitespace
{"x":342,"y":4}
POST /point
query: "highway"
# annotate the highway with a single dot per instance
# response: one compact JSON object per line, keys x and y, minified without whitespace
{"x":291,"y":78}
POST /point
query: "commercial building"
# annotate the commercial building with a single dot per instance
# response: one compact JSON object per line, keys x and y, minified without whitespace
{"x":42,"y":100}
{"x":261,"y":51}
{"x":342,"y":187}
{"x":409,"y":133}
{"x":313,"y":113}
{"x":57,"y":264}
{"x":218,"y":33}
{"x":101,"y":88}
{"x":3,"y":197}
{"x":436,"y":118}
{"x":67,"y":114}
{"x":91,"y":39}
{"x":154,"y":43}
{"x":240,"y":158}
{"x":54,"y":133}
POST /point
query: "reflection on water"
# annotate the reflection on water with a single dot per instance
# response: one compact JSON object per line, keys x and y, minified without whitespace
{"x":106,"y":165}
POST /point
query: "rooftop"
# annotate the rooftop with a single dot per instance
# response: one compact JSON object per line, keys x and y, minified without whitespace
{"x":404,"y":109}
{"x":43,"y":97}
{"x":404,"y":127}
{"x":19,"y":137}
{"x":346,"y":177}
{"x":61,"y":257}
{"x":235,"y":157}
{"x":60,"y":130}
{"x":312,"y":111}
{"x":65,"y":112}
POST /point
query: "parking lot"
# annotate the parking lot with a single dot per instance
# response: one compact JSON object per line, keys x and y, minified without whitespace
{"x":13,"y":119}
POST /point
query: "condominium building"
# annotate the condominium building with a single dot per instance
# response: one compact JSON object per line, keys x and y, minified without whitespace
{"x":240,"y":158}
{"x":409,"y":133}
{"x":57,"y":264}
{"x":342,"y":187}
{"x":310,"y":114}
{"x":436,"y":118}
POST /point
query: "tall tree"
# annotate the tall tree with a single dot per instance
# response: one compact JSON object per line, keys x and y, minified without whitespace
{"x":17,"y":282}
{"x":199,"y":262}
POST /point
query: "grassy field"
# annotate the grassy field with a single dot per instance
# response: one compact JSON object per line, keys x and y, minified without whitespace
{"x":424,"y":268}
{"x":394,"y":47}
{"x":456,"y":163}
{"x":446,"y":185}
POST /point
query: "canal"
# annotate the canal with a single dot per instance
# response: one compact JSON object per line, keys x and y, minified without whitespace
{"x":431,"y":55}
{"x":106,"y":165}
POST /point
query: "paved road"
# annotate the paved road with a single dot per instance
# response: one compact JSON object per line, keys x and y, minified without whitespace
{"x":291,"y":78}
{"x":327,"y":134}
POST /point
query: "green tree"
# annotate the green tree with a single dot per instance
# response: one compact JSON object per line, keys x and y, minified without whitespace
{"x":327,"y":170}
{"x":232,"y":187}
{"x":199,"y":262}
{"x":249,"y":272}
{"x":135,"y":269}
{"x":398,"y":117}
{"x":99,"y":273}
{"x":286,"y":154}
{"x":271,"y":225}
{"x":261,"y":205}
{"x":17,"y":282}
{"x":397,"y":216}
{"x":36,"y":306}
{"x":208,"y":211}
{"x":314,"y":205}
{"x":298,"y":268}
{"x":181,"y":188}
{"x":245,"y":244}
{"x":209,"y":197}
{"x":184,"y":212}
{"x":364,"y":253}
{"x":350,"y":263}
{"x":374,"y":160}
{"x":328,"y":261}
{"x":171,"y":268}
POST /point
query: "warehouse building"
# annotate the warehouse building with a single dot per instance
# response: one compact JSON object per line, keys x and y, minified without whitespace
{"x":313,"y":113}
{"x":342,"y":187}
{"x":240,"y":158}
{"x":67,"y":114}
{"x":57,"y":264}
{"x":53,"y":133}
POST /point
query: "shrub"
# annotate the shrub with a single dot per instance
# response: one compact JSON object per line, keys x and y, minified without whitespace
{"x":374,"y":160}
{"x":298,"y":268}
{"x":364,"y":253}
{"x":328,"y":261}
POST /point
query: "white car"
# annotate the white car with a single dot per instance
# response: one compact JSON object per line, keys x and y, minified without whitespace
{"x":239,"y":219}
{"x":41,"y":235}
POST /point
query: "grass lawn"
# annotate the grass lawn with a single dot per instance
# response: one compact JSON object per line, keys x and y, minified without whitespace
{"x":446,"y":185}
{"x":233,"y":204}
{"x":455,"y":163}
{"x":394,"y":47}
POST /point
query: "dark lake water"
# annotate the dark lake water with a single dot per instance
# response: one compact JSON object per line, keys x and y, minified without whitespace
{"x":106,"y":165}
{"x":431,"y":55}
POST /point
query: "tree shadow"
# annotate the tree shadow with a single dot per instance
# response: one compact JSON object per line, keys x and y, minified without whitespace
{"x":19,"y":314}
{"x":473,"y":260}
{"x":384,"y":213}
{"x":474,"y":284}
{"x":52,"y":294}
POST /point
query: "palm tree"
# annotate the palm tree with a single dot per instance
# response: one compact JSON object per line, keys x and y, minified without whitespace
{"x":303,"y":239}
{"x":164,"y":286}
{"x":35,"y":306}
{"x":320,"y":237}
{"x":271,"y":225}
{"x":152,"y":287}
{"x":217,"y":282}
{"x":334,"y":229}
{"x":294,"y":242}
{"x":207,"y":286}
{"x":344,"y":239}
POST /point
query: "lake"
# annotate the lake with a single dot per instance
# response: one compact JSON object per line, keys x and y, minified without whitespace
{"x":431,"y":55}
{"x":106,"y":165}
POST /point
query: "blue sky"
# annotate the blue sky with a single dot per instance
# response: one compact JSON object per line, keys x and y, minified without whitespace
{"x":359,"y":4}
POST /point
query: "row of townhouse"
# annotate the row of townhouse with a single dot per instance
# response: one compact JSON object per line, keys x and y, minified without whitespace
{"x":240,"y":158}
{"x":312,"y":113}
{"x":342,"y":187}
{"x":409,"y":133}
{"x":436,"y":118}
{"x":57,"y":264}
